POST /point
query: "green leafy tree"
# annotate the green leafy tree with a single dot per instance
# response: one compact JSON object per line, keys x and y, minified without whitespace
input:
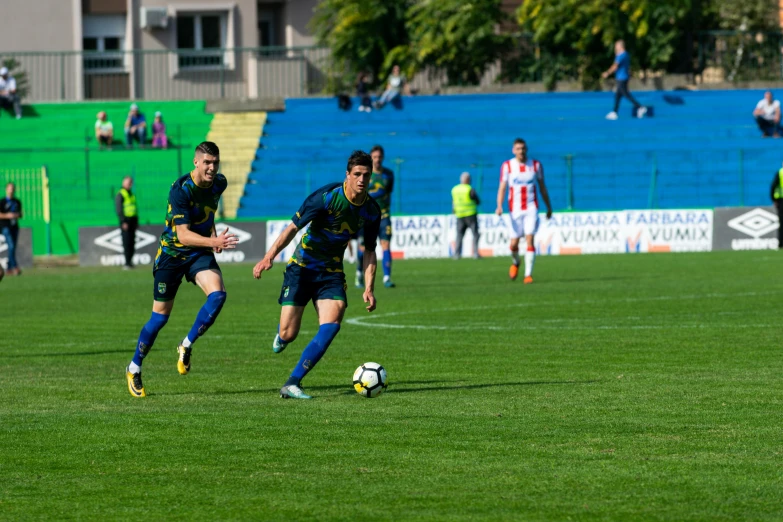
{"x":360,"y":35}
{"x":459,"y":37}
{"x":15,"y":70}
{"x":578,"y":34}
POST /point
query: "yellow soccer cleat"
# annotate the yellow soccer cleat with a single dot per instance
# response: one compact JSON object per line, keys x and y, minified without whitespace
{"x":183,"y":364}
{"x":135,"y":387}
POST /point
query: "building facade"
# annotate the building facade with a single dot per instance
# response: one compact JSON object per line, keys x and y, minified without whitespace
{"x":159,"y":49}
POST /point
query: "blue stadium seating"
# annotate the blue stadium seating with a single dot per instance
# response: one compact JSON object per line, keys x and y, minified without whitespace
{"x":701,"y":150}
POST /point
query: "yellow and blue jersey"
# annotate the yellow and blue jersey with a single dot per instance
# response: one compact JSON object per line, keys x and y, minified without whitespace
{"x":191,"y":205}
{"x":381,"y":187}
{"x":333,"y":219}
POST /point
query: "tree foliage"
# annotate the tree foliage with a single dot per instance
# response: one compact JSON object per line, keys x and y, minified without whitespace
{"x":459,"y":37}
{"x":360,"y":34}
{"x":578,"y":34}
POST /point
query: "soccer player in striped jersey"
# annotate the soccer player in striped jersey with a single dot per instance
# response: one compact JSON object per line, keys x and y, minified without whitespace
{"x":519,"y":175}
{"x":315,"y":272}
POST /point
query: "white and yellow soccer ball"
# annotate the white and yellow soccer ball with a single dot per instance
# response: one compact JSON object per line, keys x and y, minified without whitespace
{"x":369,"y":380}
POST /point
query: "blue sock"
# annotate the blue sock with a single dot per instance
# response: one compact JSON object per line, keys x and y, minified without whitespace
{"x":313,"y":352}
{"x":148,"y":335}
{"x":359,"y":260}
{"x":387,"y":263}
{"x":207,"y":315}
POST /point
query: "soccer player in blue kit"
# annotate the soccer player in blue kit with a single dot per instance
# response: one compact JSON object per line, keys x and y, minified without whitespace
{"x":315,"y":271}
{"x":187,"y":249}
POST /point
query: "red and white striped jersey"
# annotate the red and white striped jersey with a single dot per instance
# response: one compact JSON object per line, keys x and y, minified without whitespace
{"x":521,"y":181}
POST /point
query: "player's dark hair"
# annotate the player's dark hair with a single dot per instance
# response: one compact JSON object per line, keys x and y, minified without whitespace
{"x":208,"y":147}
{"x":377,"y":148}
{"x":359,"y":158}
{"x":520,"y":141}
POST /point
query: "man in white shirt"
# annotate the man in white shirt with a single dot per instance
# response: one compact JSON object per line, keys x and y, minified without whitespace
{"x":767,"y":114}
{"x":8,"y":97}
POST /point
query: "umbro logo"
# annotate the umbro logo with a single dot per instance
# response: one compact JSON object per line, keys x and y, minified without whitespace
{"x":755,"y":223}
{"x":113,"y":240}
{"x":242,"y":236}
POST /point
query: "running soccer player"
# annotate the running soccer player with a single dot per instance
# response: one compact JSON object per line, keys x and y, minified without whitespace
{"x":520,"y":175}
{"x":315,"y":271}
{"x":381,"y":187}
{"x":187,"y":248}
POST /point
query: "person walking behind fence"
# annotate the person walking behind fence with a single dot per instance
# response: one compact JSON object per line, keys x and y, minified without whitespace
{"x":465,"y":203}
{"x":125,"y":205}
{"x":8,"y":95}
{"x":776,"y":193}
{"x":621,"y":68}
{"x":10,"y":214}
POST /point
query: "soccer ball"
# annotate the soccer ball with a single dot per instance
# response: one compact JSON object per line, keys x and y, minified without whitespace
{"x":369,"y":380}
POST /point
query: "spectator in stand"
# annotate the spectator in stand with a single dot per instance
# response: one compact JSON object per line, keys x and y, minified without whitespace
{"x":363,"y":92}
{"x":10,"y":214}
{"x":767,"y":114}
{"x":104,"y":130}
{"x":135,"y":127}
{"x":8,"y":97}
{"x":622,"y":73}
{"x":395,"y":85}
{"x":159,"y":138}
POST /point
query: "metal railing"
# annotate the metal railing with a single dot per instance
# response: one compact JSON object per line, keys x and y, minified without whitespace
{"x":736,"y":56}
{"x":240,"y":73}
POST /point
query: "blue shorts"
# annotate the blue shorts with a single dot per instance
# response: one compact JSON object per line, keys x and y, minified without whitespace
{"x":302,"y":285}
{"x":169,"y":271}
{"x":385,"y":233}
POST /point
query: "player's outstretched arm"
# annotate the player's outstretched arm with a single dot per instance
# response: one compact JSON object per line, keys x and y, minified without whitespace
{"x":190,"y":239}
{"x":501,"y":193}
{"x":370,"y":267}
{"x":280,"y":243}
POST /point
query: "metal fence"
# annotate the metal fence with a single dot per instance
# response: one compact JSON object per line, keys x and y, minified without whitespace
{"x":734,"y":56}
{"x":250,"y":73}
{"x":171,"y":75}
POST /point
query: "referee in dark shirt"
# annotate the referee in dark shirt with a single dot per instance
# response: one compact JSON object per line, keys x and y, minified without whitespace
{"x":10,"y":214}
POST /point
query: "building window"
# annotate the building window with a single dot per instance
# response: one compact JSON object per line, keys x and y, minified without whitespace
{"x":103,"y":53}
{"x":103,"y":38}
{"x":204,"y":35}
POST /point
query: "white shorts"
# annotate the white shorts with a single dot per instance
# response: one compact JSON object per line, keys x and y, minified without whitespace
{"x":524,"y":224}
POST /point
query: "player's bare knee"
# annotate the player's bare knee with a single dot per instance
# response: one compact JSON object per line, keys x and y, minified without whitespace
{"x":289,"y":332}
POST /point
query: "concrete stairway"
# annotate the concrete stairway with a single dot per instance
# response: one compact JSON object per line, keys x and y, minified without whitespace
{"x":237,"y":134}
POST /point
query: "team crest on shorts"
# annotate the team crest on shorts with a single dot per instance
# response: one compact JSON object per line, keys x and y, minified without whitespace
{"x":285,"y":294}
{"x":161,"y":288}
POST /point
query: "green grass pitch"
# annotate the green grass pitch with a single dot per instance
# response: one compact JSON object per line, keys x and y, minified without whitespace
{"x":627,"y":387}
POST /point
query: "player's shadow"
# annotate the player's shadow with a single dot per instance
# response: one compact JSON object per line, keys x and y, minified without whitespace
{"x":394,"y":387}
{"x":61,"y":354}
{"x":401,"y":387}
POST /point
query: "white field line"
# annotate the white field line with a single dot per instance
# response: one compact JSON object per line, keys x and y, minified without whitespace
{"x":363,"y":320}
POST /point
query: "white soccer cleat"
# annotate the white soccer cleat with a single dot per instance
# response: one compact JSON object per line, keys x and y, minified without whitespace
{"x":611,"y":116}
{"x":641,"y":112}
